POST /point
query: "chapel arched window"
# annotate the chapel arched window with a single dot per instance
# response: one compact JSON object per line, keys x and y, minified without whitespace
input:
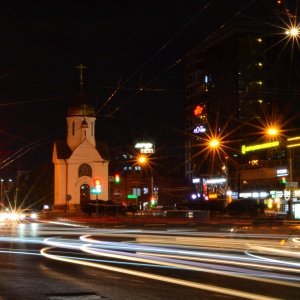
{"x":85,"y":170}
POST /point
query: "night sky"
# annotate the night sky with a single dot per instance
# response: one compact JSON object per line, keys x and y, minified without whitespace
{"x":134,"y":45}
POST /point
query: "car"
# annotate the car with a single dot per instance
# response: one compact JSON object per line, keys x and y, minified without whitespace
{"x":10,"y":216}
{"x":18,"y":216}
{"x":28,"y":216}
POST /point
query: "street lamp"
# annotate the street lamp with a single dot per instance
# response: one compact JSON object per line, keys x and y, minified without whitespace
{"x":293,"y":142}
{"x":272,"y":131}
{"x":144,"y":161}
{"x":293,"y":32}
{"x":215,"y":144}
{"x":2,"y":190}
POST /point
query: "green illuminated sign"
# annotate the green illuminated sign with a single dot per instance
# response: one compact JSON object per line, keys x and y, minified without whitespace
{"x":259,"y":147}
{"x":131,"y":196}
{"x":96,"y":191}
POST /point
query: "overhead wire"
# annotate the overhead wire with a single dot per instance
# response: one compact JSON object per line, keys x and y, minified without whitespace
{"x":178,"y":60}
{"x":38,"y":143}
{"x":152,"y":57}
{"x":44,"y":140}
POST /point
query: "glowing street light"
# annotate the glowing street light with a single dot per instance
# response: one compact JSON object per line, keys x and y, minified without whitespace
{"x":272,"y":131}
{"x":293,"y":31}
{"x":214,"y":143}
{"x":144,"y":161}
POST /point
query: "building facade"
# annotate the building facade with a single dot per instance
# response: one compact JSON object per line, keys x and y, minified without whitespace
{"x":153,"y":182}
{"x":80,"y":160}
{"x":238,"y":82}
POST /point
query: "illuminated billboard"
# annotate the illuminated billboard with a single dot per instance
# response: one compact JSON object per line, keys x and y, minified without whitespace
{"x":246,"y":149}
{"x":293,"y":142}
{"x":198,"y":110}
{"x":199,"y":129}
{"x":145,"y":147}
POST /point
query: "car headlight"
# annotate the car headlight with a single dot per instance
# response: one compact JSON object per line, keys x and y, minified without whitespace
{"x":33,"y":216}
{"x":3,"y":216}
{"x":13,"y":216}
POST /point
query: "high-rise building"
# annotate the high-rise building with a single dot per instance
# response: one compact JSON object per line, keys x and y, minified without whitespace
{"x":239,"y":81}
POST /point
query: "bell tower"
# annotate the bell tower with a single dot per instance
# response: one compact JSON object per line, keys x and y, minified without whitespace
{"x":80,"y":119}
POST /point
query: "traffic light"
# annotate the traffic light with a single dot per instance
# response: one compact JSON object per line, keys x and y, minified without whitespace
{"x":117,"y":178}
{"x":97,"y":184}
{"x":283,"y":180}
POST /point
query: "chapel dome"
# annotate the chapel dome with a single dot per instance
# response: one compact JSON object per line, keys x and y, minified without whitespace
{"x":80,"y":106}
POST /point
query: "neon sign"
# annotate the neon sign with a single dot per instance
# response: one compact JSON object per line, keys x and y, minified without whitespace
{"x":145,"y":147}
{"x":213,"y":196}
{"x":198,"y":110}
{"x":254,"y":195}
{"x":216,"y":180}
{"x":282,"y":172}
{"x":293,"y":142}
{"x":259,"y":147}
{"x":199,"y":129}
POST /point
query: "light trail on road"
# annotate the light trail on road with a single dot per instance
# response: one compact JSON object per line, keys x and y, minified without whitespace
{"x":192,"y":259}
{"x":161,"y":278}
{"x":194,"y":254}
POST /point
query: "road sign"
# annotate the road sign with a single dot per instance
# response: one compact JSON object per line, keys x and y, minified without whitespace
{"x":96,"y":191}
{"x":68,"y":197}
{"x":291,"y":184}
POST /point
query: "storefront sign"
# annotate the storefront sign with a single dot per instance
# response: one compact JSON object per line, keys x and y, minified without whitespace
{"x":198,"y":110}
{"x":291,"y":185}
{"x":276,"y":194}
{"x":293,"y":142}
{"x":199,"y":129}
{"x":145,"y":147}
{"x":216,"y":180}
{"x":282,"y":172}
{"x":254,"y":195}
{"x":246,"y":149}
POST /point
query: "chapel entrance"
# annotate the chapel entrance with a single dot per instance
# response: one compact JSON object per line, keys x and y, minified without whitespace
{"x":84,"y":196}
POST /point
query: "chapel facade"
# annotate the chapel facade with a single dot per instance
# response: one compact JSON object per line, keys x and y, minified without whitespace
{"x":80,"y":159}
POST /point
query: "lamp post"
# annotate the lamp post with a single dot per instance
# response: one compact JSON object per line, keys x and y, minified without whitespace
{"x":4,"y":195}
{"x":291,"y":143}
{"x":290,"y":211}
{"x":2,"y":190}
{"x":144,"y":160}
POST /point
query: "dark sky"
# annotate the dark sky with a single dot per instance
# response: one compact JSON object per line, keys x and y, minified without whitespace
{"x":134,"y":44}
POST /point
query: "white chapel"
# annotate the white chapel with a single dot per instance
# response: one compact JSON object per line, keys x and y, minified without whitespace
{"x":80,"y":159}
